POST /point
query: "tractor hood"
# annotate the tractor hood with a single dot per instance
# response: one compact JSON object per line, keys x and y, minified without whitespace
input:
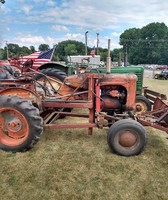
{"x":81,"y":80}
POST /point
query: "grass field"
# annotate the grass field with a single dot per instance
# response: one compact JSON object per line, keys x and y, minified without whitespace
{"x":69,"y":164}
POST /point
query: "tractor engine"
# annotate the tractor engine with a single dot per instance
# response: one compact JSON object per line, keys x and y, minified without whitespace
{"x":113,"y":98}
{"x":116,"y":91}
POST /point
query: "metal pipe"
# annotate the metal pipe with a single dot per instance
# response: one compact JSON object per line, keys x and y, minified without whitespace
{"x":86,"y":42}
{"x":97,"y":52}
{"x":108,"y":65}
{"x":7,"y":51}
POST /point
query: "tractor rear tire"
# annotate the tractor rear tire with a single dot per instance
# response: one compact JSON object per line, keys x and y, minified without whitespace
{"x":9,"y":69}
{"x":142,"y":104}
{"x":53,"y":73}
{"x":20,"y":124}
{"x":9,"y":72}
{"x":58,"y":74}
{"x":127,"y":137}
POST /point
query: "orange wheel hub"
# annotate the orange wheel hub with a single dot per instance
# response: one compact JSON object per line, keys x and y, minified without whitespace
{"x":128,"y":139}
{"x":14,"y":128}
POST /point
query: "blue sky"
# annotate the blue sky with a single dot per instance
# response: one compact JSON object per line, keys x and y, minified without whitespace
{"x":33,"y":22}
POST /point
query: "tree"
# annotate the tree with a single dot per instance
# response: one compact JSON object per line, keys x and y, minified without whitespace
{"x":2,"y":1}
{"x":146,"y":45}
{"x":25,"y":50}
{"x":70,"y":49}
{"x":155,"y":40}
{"x":67,"y":48}
{"x":117,"y":55}
{"x":103,"y":54}
{"x":44,"y":47}
{"x":2,"y":54}
{"x":32,"y":49}
{"x":14,"y":50}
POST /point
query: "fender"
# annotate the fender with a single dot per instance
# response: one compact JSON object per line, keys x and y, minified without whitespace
{"x":23,"y":93}
{"x":54,"y":65}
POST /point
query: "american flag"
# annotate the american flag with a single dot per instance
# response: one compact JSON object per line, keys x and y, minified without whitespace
{"x":39,"y":58}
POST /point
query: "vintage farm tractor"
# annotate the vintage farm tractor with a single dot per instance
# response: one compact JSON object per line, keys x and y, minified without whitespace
{"x":59,"y":71}
{"x":27,"y":106}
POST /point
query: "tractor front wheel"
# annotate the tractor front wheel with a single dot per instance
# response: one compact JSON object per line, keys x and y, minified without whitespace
{"x":156,"y":76}
{"x":142,"y":104}
{"x":127,"y":137}
{"x":20,"y":124}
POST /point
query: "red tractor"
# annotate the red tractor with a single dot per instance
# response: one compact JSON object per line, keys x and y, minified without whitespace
{"x":27,"y":106}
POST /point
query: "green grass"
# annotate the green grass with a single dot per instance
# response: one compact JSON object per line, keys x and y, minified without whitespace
{"x":69,"y":164}
{"x":157,"y":85}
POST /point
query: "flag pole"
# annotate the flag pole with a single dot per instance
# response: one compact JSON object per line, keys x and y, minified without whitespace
{"x":53,"y":52}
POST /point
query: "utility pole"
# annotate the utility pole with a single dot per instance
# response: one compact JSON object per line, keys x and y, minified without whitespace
{"x":86,"y":42}
{"x":97,"y":44}
{"x":7,"y":51}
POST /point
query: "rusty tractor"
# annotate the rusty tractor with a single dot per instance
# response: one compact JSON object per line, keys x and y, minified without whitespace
{"x":59,"y":71}
{"x":27,"y":106}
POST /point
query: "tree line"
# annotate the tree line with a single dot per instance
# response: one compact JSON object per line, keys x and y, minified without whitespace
{"x":147,"y":45}
{"x":62,"y":50}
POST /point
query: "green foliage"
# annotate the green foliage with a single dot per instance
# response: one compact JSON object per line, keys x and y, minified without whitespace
{"x":43,"y":47}
{"x":2,"y":54}
{"x":32,"y":49}
{"x":103,"y":54}
{"x":118,"y":56}
{"x":146,"y":45}
{"x":67,"y":48}
{"x":70,"y":49}
{"x":2,"y":1}
{"x":15,"y":51}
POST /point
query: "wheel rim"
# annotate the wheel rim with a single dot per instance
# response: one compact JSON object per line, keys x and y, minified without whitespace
{"x":140,"y":107}
{"x":127,"y":140}
{"x":156,"y":76}
{"x":14,"y":128}
{"x":53,"y":83}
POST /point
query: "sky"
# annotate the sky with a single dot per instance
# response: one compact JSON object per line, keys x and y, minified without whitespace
{"x":34,"y":22}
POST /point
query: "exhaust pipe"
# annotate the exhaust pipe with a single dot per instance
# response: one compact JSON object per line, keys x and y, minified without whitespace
{"x":108,"y":65}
